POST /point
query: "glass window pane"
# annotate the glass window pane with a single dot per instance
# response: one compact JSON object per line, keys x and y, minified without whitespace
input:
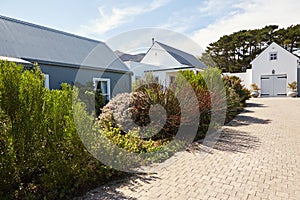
{"x":104,"y":87}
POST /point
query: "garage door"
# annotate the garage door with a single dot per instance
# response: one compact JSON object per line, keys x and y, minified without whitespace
{"x":273,"y":85}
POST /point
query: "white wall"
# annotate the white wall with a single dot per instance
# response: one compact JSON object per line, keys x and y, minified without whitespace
{"x":164,"y":76}
{"x":139,"y":69}
{"x":286,"y":63}
{"x":159,"y":56}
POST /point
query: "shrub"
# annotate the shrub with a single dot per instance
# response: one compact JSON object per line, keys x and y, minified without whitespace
{"x":130,"y":112}
{"x":292,"y":86}
{"x":93,"y":99}
{"x":207,"y":87}
{"x":41,"y":153}
{"x":210,"y":89}
{"x":234,"y":105}
{"x":124,"y":120}
{"x":254,"y":87}
{"x":235,"y":83}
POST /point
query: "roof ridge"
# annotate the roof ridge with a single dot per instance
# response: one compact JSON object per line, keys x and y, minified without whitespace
{"x":174,"y":48}
{"x":282,"y":48}
{"x":47,"y":28}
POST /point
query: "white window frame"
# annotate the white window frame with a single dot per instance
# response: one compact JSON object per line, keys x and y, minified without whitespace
{"x":47,"y":81}
{"x":273,"y":56}
{"x":95,"y":83}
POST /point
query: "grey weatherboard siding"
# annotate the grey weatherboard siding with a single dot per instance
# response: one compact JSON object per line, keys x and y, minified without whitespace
{"x":61,"y":54}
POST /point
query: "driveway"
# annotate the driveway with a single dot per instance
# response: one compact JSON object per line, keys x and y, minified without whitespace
{"x":256,"y":157}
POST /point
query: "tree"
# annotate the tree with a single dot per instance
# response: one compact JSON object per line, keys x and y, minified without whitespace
{"x":234,"y":52}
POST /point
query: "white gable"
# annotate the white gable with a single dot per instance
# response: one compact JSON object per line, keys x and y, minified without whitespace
{"x":282,"y":54}
{"x":160,"y":57}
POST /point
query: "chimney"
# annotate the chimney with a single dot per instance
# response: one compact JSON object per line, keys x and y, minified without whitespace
{"x":153,"y":40}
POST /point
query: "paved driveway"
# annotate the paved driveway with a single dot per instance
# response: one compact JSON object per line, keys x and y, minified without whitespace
{"x":257,"y":157}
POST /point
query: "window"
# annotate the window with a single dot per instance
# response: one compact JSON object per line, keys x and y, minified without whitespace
{"x":156,"y":78}
{"x":172,"y":79}
{"x":104,"y":85}
{"x":46,"y":83}
{"x":273,"y":56}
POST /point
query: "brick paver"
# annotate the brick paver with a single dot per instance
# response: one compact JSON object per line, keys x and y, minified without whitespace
{"x":256,"y":157}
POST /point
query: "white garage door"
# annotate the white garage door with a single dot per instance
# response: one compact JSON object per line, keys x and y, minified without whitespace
{"x":273,"y":85}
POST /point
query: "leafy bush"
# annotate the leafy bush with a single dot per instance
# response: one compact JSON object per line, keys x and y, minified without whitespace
{"x":41,"y":153}
{"x":235,"y":83}
{"x":236,"y":94}
{"x":292,"y":86}
{"x":234,"y":105}
{"x":129,"y":111}
{"x":93,"y":99}
{"x":209,"y":90}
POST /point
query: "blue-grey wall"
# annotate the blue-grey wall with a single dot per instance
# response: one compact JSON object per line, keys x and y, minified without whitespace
{"x":120,"y":82}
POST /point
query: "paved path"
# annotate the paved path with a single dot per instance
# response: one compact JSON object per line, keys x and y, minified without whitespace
{"x":257,"y":157}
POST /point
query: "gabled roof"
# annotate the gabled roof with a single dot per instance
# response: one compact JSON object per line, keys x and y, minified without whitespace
{"x":273,"y":45}
{"x":182,"y":57}
{"x":37,"y":43}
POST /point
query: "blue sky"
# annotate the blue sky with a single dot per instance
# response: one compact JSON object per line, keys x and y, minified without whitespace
{"x":204,"y":21}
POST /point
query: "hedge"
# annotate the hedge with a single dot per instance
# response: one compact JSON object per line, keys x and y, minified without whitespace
{"x":41,"y":154}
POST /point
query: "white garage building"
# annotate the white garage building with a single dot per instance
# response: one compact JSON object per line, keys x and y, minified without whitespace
{"x":272,"y":70}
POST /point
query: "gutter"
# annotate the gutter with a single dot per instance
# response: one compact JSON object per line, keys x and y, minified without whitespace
{"x":76,"y":66}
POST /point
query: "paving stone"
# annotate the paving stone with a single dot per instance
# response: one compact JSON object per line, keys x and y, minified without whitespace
{"x":257,"y":157}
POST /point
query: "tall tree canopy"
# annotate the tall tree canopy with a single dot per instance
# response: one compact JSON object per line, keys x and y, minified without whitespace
{"x":234,"y":52}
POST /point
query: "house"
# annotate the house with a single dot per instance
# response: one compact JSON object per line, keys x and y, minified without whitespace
{"x":164,"y":62}
{"x":64,"y":57}
{"x":272,"y":70}
{"x":139,"y":69}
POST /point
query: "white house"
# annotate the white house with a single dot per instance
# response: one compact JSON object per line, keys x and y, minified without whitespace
{"x":139,"y":69}
{"x":272,"y":70}
{"x":165,"y":62}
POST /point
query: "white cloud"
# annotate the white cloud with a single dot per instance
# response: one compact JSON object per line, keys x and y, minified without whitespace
{"x":178,"y":21}
{"x":252,"y":14}
{"x":216,"y":7}
{"x":114,"y":17}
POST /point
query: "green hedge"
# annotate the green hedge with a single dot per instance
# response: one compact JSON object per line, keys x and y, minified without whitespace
{"x":41,"y":154}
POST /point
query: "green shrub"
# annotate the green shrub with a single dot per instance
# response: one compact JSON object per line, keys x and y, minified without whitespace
{"x":216,"y":95}
{"x":234,"y":105}
{"x":235,"y":83}
{"x":207,"y":87}
{"x":93,"y":99}
{"x":41,"y":153}
{"x":236,"y":94}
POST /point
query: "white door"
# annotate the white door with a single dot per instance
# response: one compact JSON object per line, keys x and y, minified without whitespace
{"x":273,"y":85}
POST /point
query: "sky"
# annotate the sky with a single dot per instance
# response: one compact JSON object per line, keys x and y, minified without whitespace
{"x":199,"y":21}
